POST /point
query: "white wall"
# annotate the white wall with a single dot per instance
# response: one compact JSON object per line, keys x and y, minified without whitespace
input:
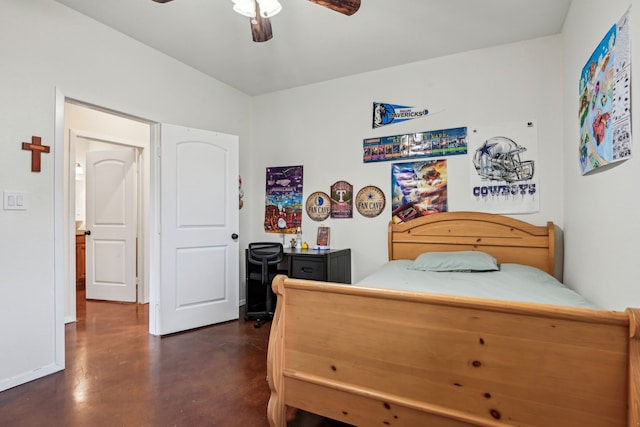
{"x":322,"y":126}
{"x":44,"y":46}
{"x":602,"y":210}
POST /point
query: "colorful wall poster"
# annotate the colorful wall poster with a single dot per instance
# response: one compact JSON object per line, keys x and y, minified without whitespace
{"x":388,"y":114}
{"x":283,"y":201}
{"x":605,"y":101}
{"x":342,"y":200}
{"x":433,"y":143}
{"x":503,"y":173}
{"x":418,"y":189}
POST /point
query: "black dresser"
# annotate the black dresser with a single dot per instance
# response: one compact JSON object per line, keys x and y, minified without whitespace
{"x":327,"y":265}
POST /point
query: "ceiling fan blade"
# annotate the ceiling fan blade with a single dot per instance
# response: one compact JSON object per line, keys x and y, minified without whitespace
{"x":346,"y":7}
{"x":260,"y":28}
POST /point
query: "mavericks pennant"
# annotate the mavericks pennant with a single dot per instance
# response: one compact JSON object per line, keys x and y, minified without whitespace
{"x":387,"y":114}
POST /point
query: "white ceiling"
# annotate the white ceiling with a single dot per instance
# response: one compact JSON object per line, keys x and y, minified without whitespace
{"x":312,"y":44}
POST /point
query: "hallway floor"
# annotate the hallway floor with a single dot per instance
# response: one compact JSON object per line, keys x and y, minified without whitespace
{"x":118,"y":375}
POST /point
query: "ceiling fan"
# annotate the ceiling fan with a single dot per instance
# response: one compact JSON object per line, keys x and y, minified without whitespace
{"x":259,"y":12}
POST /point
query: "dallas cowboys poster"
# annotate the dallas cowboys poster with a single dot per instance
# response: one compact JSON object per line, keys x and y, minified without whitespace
{"x":503,"y":172}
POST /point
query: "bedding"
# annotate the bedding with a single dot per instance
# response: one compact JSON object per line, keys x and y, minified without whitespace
{"x":512,"y":282}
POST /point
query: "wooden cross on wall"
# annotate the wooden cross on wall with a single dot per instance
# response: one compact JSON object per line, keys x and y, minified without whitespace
{"x":36,"y":148}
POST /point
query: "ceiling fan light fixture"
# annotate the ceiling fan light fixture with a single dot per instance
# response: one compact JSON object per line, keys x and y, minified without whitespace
{"x":269,"y":8}
{"x":245,"y":7}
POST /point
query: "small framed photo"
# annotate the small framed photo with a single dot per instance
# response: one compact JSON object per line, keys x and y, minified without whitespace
{"x":323,"y":237}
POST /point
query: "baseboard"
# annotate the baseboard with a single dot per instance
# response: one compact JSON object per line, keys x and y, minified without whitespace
{"x":29,"y":376}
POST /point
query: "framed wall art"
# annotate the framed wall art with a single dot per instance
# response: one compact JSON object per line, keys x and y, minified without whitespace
{"x":322,"y":240}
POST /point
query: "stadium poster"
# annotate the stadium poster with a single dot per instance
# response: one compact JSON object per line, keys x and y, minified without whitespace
{"x":434,"y":143}
{"x":283,"y":202}
{"x":418,"y":189}
{"x":605,"y":101}
{"x":503,"y":175}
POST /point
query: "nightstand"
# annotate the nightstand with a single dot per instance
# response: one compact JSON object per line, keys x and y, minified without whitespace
{"x":327,"y":265}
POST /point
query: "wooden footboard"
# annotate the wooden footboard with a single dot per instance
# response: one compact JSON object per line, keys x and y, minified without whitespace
{"x":382,"y":357}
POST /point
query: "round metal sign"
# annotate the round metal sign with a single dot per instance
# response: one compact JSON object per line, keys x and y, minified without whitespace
{"x":370,"y":201}
{"x":318,"y":206}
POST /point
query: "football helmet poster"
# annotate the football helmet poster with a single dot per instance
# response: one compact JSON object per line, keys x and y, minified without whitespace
{"x":503,"y":168}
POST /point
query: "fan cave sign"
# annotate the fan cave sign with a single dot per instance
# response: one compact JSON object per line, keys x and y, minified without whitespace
{"x":370,"y":201}
{"x":318,"y":206}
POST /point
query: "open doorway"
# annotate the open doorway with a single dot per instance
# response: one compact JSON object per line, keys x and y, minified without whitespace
{"x":90,"y":132}
{"x":190,"y":278}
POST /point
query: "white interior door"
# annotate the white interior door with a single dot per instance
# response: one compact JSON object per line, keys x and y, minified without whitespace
{"x":199,"y":221}
{"x":111,"y":222}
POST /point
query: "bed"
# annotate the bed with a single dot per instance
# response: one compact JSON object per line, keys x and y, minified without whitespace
{"x":371,"y":356}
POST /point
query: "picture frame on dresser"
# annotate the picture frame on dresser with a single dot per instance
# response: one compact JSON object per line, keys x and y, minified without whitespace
{"x":322,"y":240}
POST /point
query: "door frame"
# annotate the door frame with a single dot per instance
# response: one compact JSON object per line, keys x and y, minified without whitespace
{"x":64,"y":215}
{"x":64,"y":230}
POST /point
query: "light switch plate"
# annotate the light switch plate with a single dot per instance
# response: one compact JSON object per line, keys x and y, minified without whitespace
{"x":14,"y":201}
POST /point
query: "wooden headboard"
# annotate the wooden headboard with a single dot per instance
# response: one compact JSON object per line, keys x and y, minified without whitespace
{"x":507,"y":239}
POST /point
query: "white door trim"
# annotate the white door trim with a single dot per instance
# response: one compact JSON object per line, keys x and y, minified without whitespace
{"x":154,"y":232}
{"x":59,"y":241}
{"x":64,"y":247}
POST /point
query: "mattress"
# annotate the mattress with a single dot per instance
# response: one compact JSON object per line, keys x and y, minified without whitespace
{"x":512,"y":282}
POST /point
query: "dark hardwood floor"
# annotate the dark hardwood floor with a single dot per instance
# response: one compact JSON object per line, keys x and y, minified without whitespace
{"x":118,"y":375}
